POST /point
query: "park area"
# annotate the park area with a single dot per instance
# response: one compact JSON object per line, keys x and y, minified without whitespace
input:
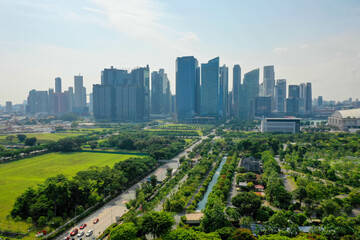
{"x":41,"y":137}
{"x":17,"y":176}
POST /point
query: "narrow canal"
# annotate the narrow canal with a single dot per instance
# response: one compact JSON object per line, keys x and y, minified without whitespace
{"x":201,"y":205}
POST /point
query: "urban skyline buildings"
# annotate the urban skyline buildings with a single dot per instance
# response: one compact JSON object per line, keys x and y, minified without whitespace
{"x":236,"y":89}
{"x":160,"y":93}
{"x":187,"y":88}
{"x":280,"y":95}
{"x":210,"y":89}
{"x":202,"y":94}
{"x":122,"y":96}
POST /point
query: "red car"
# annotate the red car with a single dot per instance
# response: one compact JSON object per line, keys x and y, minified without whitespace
{"x":67,"y":238}
{"x":83,"y":226}
{"x":96,"y":221}
{"x":74,"y":232}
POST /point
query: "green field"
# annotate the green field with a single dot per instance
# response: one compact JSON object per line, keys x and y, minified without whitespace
{"x":19,"y":175}
{"x":41,"y":137}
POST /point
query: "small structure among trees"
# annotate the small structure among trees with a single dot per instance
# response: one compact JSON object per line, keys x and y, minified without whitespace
{"x":251,"y":164}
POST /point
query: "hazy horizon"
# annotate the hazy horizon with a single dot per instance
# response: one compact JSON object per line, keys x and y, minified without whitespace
{"x":306,"y":41}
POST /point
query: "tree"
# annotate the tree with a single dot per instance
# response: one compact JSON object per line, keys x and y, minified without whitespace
{"x":41,"y":221}
{"x":156,"y":223}
{"x":190,"y":234}
{"x":330,"y":207}
{"x":93,"y":145}
{"x":30,"y":141}
{"x":214,"y":218}
{"x":242,"y":234}
{"x":74,"y":125}
{"x":169,"y":172}
{"x":278,"y":221}
{"x":226,"y":232}
{"x":21,"y":137}
{"x":10,"y":138}
{"x":153,"y":180}
{"x":125,"y":231}
{"x":247,"y":203}
{"x":300,"y":193}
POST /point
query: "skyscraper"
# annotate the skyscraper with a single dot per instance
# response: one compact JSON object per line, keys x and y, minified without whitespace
{"x":8,"y":108}
{"x":224,"y":92}
{"x":236,"y":89}
{"x":78,"y":96}
{"x":308,"y":99}
{"x":160,"y":93}
{"x":249,"y":91}
{"x":269,"y":80}
{"x":187,"y":84}
{"x":293,"y":102}
{"x":280,"y":95}
{"x":122,"y":96}
{"x":210,"y":89}
{"x":57,"y":85}
{"x":294,"y":91}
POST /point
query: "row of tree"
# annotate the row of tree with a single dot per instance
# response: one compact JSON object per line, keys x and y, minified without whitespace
{"x":62,"y":197}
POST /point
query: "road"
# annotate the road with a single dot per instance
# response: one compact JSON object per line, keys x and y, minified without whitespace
{"x":117,"y":207}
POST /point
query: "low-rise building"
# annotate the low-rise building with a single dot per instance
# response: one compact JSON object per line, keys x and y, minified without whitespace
{"x":281,"y":125}
{"x":345,"y":119}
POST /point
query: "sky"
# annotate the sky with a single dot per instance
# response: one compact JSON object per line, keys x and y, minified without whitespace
{"x":306,"y":40}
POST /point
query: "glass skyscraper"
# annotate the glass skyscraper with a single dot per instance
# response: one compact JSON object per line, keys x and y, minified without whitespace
{"x":187,"y":84}
{"x":249,"y":91}
{"x":210,"y":89}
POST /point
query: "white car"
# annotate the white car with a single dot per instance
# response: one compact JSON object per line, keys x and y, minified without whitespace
{"x":80,"y":233}
{"x":89,"y":233}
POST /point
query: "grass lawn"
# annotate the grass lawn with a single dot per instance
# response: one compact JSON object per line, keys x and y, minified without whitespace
{"x":17,"y":176}
{"x":292,"y":183}
{"x":41,"y":137}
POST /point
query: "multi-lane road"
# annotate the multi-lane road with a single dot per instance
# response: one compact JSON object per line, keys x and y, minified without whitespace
{"x":116,"y":207}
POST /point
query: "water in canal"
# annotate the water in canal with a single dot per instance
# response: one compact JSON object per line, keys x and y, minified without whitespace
{"x":202,"y":203}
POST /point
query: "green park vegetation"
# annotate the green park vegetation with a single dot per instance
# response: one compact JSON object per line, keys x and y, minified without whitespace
{"x":41,"y":137}
{"x":19,"y":175}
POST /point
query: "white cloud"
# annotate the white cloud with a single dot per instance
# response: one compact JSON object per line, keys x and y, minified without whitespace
{"x":304,"y":46}
{"x":280,"y":49}
{"x":138,"y":18}
{"x":191,"y":37}
{"x":93,"y":10}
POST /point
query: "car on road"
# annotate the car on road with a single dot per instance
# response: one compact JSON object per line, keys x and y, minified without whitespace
{"x":96,"y":221}
{"x":83,"y":226}
{"x":80,"y":234}
{"x":67,"y":238}
{"x":74,"y":232}
{"x":89,"y":233}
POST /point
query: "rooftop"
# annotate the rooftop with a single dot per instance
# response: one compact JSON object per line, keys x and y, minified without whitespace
{"x":350,"y":113}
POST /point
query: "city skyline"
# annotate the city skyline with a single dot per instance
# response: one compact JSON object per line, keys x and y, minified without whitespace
{"x":320,"y":46}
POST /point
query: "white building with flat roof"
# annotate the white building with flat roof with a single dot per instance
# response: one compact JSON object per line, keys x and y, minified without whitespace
{"x":345,"y":119}
{"x":281,"y":125}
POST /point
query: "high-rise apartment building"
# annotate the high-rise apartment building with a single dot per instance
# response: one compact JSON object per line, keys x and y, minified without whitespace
{"x":210,"y":89}
{"x":160,"y":93}
{"x":79,"y":92}
{"x":37,"y":102}
{"x":280,"y":95}
{"x":122,"y":96}
{"x":187,"y":99}
{"x":58,"y":85}
{"x":8,"y":107}
{"x":236,"y":89}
